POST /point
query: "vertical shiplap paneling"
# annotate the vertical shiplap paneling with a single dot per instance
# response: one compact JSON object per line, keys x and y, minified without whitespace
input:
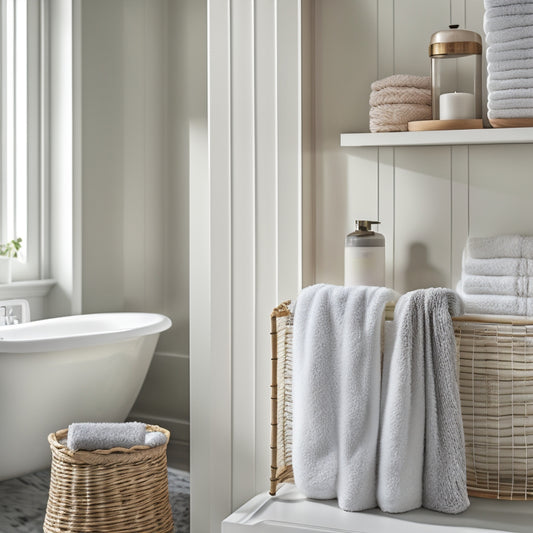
{"x":414,"y":22}
{"x":459,"y":205}
{"x":386,"y":209}
{"x":346,"y":179}
{"x":102,"y":162}
{"x":134,"y":234}
{"x":266,"y":227}
{"x":289,"y":148}
{"x":501,"y":189}
{"x":210,"y":279}
{"x":308,"y":143}
{"x":385,"y":165}
{"x":422,"y":218}
{"x":154,"y":157}
{"x":243,"y":249}
{"x":474,"y":10}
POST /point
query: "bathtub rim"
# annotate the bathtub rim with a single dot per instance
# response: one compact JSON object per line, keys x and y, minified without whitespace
{"x":155,"y":324}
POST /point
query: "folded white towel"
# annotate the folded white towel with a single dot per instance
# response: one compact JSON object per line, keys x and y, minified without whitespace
{"x":504,"y":4}
{"x":403,"y":407}
{"x":491,"y":24}
{"x":402,"y":80}
{"x":497,"y":266}
{"x":512,"y":74}
{"x":519,"y":45}
{"x":483,"y":304}
{"x":512,"y":83}
{"x":511,"y":103}
{"x":509,"y":246}
{"x":494,"y":54}
{"x":525,"y":8}
{"x":509,"y":34}
{"x":400,"y":95}
{"x":503,"y":285}
{"x":103,"y":435}
{"x":523,"y":112}
{"x":511,"y":94}
{"x":444,"y":486}
{"x":336,"y":392}
{"x":509,"y":65}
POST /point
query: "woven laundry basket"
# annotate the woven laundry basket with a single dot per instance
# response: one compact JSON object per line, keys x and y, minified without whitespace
{"x":121,"y":490}
{"x":495,"y":372}
{"x":496,"y":386}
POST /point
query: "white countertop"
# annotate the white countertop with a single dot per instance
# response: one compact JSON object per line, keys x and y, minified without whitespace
{"x":289,"y":512}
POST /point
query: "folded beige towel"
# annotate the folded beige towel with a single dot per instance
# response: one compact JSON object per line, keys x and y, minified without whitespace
{"x":394,"y":117}
{"x":402,"y":80}
{"x":400,"y":95}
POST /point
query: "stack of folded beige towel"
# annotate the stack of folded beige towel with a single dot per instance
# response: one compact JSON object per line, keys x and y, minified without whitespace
{"x":399,"y":99}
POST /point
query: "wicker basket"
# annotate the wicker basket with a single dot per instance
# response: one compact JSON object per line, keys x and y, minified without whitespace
{"x":496,"y":386}
{"x":121,"y":490}
{"x":495,"y":356}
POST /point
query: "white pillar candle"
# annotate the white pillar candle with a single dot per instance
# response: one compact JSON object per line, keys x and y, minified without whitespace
{"x":454,"y":106}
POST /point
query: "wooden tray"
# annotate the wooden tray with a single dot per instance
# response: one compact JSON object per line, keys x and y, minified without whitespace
{"x":511,"y":122}
{"x":428,"y":125}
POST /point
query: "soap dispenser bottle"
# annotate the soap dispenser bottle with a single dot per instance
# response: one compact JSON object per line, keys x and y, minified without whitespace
{"x":364,"y":256}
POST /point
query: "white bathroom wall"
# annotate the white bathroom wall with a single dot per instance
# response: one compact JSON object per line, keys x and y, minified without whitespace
{"x":144,"y":112}
{"x":428,"y":198}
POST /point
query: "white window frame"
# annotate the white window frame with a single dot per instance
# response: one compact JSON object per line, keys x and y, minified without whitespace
{"x":23,"y":96}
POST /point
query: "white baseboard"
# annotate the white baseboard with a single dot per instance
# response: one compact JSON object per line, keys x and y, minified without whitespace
{"x":179,"y":429}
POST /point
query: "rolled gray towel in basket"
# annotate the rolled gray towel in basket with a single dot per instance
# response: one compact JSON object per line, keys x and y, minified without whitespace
{"x":105,"y":435}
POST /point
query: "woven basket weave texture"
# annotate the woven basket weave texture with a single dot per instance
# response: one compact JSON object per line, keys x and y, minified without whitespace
{"x":108,"y":491}
{"x":495,"y":373}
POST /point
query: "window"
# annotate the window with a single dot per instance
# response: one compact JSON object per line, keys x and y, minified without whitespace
{"x":21,"y":167}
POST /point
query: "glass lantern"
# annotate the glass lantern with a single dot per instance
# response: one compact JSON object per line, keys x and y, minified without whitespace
{"x":456,"y":74}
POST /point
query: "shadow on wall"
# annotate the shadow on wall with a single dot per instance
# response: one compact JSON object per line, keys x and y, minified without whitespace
{"x":420,"y":273}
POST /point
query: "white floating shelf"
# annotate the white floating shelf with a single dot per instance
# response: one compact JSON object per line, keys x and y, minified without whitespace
{"x":442,"y":137}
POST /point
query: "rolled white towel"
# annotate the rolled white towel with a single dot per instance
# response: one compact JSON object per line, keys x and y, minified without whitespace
{"x":524,"y":8}
{"x":492,"y":24}
{"x":509,"y":34}
{"x":502,"y":285}
{"x":513,"y":83}
{"x":104,"y":435}
{"x":524,"y":112}
{"x":509,"y":246}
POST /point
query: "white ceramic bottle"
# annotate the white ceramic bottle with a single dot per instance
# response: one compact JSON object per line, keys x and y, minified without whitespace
{"x":364,"y":256}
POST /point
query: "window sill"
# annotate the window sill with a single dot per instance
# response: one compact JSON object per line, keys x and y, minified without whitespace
{"x":26,"y":289}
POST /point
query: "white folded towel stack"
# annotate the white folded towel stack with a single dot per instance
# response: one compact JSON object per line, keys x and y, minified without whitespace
{"x":497,"y":275}
{"x":509,"y":35}
{"x":397,"y":100}
{"x":336,"y":392}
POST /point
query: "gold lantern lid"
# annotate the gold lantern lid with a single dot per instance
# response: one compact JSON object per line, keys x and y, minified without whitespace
{"x":454,"y":42}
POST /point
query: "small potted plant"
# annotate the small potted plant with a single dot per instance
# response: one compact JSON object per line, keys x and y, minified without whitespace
{"x":8,"y":252}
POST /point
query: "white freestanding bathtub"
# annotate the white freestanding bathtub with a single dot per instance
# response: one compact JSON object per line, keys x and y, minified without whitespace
{"x":85,"y":368}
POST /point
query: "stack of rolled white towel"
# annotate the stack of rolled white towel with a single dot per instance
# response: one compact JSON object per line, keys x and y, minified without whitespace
{"x":497,"y":275}
{"x":397,"y":100}
{"x":509,"y":34}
